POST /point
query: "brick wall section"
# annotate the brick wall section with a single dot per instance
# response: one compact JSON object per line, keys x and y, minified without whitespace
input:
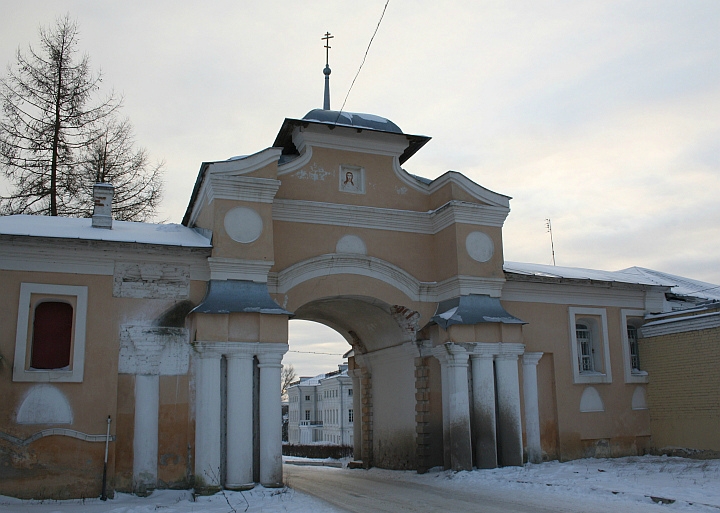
{"x":367,"y":417}
{"x":684,"y":388}
{"x":422,"y":414}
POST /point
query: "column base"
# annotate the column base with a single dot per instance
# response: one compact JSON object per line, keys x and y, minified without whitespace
{"x":239,"y":487}
{"x":273,"y":485}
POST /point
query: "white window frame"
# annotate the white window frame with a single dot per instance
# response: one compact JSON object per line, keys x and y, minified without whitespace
{"x":23,"y":337}
{"x":631,"y":375}
{"x":579,"y":377}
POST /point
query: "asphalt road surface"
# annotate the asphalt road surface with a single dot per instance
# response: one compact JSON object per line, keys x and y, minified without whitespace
{"x":362,"y":491}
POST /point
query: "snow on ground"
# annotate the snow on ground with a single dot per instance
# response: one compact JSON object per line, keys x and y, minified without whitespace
{"x":682,"y":484}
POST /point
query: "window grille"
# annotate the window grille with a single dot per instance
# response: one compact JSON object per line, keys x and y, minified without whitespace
{"x":585,"y":353}
{"x":633,"y":343}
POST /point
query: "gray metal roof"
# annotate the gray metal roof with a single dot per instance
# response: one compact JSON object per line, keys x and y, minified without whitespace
{"x":233,"y":296}
{"x":472,"y":309}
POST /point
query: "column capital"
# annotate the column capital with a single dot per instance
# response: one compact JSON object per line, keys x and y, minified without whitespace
{"x":271,"y":354}
{"x":484,"y":349}
{"x":207,"y":350}
{"x":531,"y":358}
{"x":510,"y":351}
{"x":451,"y":354}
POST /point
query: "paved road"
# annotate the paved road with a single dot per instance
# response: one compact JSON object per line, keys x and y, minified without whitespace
{"x":364,"y":492}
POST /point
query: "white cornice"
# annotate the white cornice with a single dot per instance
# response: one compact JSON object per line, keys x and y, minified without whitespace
{"x":235,"y":269}
{"x":428,"y":223}
{"x":565,"y":294}
{"x":681,"y":325}
{"x":238,"y":188}
{"x":42,"y":255}
{"x":244,"y":165}
{"x":296,"y":163}
{"x":371,"y":267}
{"x":477,"y":191}
{"x":464,"y":285}
{"x":347,"y":139}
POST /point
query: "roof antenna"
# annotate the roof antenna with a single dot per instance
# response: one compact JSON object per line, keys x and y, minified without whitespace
{"x":548,"y":225}
{"x":326,"y":71}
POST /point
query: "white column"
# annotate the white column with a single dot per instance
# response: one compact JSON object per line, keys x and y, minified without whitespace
{"x":239,"y":438}
{"x":270,"y":355}
{"x":532,"y":411}
{"x":207,"y":420}
{"x":508,"y":397}
{"x":145,"y":442}
{"x":484,"y":428}
{"x":456,"y":417}
{"x":357,"y":414}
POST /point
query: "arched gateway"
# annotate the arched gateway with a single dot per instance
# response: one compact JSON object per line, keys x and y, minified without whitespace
{"x":327,"y":226}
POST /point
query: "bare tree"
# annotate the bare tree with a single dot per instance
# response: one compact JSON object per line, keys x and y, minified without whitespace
{"x":287,"y":377}
{"x":53,"y":131}
{"x":112,"y":158}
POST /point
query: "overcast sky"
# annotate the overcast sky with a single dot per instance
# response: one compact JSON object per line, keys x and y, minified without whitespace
{"x":601,"y":115}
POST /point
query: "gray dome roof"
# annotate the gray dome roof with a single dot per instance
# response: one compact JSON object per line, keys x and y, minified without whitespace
{"x":353,"y":119}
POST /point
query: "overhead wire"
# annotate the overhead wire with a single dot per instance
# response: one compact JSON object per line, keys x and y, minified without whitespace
{"x":363,"y":61}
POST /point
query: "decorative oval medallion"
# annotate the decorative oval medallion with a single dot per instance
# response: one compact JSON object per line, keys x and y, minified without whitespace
{"x":479,"y":246}
{"x":243,"y":225}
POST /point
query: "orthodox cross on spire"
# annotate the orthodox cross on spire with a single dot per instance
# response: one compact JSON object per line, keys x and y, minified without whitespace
{"x":326,"y":71}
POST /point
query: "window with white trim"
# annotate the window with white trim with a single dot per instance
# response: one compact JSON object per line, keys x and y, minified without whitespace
{"x":50,"y":336}
{"x":632,"y":321}
{"x":589,"y":345}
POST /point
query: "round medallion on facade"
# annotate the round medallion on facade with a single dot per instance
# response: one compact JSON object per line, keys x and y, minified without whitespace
{"x":479,"y":246}
{"x":351,"y":244}
{"x":243,"y":225}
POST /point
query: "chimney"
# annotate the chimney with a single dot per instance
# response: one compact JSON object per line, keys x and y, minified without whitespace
{"x":102,"y":213}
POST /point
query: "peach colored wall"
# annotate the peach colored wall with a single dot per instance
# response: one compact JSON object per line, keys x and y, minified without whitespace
{"x":55,"y":473}
{"x":619,"y":430}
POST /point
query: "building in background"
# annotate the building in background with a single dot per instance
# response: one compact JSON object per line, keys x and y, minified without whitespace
{"x":321,"y":409}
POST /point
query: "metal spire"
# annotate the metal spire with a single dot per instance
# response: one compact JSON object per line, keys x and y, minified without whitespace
{"x":326,"y":71}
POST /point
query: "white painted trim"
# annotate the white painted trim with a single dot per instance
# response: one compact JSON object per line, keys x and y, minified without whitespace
{"x":296,"y":163}
{"x":248,"y":164}
{"x":55,"y":432}
{"x":237,"y":269}
{"x":23,"y":337}
{"x":595,"y":377}
{"x":70,"y":257}
{"x":630,"y":376}
{"x":681,"y":325}
{"x":228,"y":187}
{"x":346,"y":139}
{"x":410,"y":221}
{"x":371,"y":267}
{"x":475,"y":190}
{"x":571,"y":294}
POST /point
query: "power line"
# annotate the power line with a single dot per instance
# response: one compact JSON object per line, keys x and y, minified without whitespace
{"x":363,"y":61}
{"x":315,"y":352}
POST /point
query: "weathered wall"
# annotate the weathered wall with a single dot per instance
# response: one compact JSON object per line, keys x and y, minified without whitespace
{"x":566,"y":431}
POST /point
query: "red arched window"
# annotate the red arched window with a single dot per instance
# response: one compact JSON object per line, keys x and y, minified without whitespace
{"x":52,"y":335}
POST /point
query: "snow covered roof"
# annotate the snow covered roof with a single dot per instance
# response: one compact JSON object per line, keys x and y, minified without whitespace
{"x":634,"y":275}
{"x":122,"y":231}
{"x":360,"y":122}
{"x":353,"y":119}
{"x":681,"y":286}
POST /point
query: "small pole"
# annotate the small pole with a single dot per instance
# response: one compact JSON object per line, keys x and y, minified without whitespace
{"x":103,"y":496}
{"x":548,"y":225}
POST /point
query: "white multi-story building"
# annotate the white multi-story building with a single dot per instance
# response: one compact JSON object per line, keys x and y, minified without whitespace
{"x":321,"y":409}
